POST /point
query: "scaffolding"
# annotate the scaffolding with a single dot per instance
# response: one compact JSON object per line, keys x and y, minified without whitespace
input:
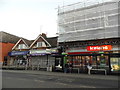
{"x":85,"y":21}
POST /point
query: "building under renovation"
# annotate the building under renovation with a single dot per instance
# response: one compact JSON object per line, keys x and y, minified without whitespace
{"x":97,"y":21}
{"x":90,"y":34}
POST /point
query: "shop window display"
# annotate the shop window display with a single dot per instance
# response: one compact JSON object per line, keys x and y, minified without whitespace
{"x":80,"y":61}
{"x":95,"y":61}
{"x":115,"y":64}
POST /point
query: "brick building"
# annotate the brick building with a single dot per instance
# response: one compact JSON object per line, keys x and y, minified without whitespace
{"x":7,"y":41}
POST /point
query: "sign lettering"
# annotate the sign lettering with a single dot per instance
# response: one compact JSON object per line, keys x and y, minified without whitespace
{"x":99,"y":48}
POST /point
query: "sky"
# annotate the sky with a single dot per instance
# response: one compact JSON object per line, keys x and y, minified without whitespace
{"x":29,"y":18}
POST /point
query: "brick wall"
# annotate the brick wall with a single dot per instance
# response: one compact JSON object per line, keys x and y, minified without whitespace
{"x":4,"y":49}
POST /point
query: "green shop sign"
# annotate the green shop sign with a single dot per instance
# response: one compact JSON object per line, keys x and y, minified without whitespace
{"x":64,"y":53}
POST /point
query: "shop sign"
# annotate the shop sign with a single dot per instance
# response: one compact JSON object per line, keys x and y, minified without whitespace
{"x":42,"y":52}
{"x":101,"y":52}
{"x":64,"y":53}
{"x":52,"y":50}
{"x":38,"y":51}
{"x":99,"y":48}
{"x":18,"y":53}
{"x":37,"y":54}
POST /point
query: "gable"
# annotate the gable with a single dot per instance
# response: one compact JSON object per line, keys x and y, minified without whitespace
{"x":40,"y":42}
{"x":20,"y":45}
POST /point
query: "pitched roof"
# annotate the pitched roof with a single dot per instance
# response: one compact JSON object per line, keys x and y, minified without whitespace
{"x":26,"y":42}
{"x":40,"y":36}
{"x":8,"y":38}
{"x":52,"y":41}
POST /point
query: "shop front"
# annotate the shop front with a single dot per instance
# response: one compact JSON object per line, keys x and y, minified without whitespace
{"x":18,"y":58}
{"x":58,"y":60}
{"x":98,"y":57}
{"x":41,"y":58}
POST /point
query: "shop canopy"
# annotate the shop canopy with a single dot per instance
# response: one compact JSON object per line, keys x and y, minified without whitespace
{"x":15,"y":53}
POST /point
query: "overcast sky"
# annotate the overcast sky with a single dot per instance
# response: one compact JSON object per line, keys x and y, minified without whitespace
{"x":29,"y":18}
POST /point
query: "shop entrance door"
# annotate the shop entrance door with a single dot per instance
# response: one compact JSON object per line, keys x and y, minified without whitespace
{"x":102,"y":62}
{"x":58,"y":63}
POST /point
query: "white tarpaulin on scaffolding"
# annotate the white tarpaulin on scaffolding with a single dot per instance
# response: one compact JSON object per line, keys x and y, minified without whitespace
{"x":89,"y":22}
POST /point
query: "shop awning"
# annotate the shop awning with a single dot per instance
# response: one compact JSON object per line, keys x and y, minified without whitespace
{"x":15,"y":53}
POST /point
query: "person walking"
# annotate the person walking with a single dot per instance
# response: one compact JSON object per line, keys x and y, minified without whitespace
{"x":66,"y":67}
{"x":70,"y":67}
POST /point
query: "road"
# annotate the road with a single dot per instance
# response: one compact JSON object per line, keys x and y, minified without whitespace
{"x":44,"y":79}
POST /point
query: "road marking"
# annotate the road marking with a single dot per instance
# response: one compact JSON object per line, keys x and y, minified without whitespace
{"x":38,"y":80}
{"x":61,"y":83}
{"x":83,"y":86}
{"x":33,"y":75}
{"x":76,"y":86}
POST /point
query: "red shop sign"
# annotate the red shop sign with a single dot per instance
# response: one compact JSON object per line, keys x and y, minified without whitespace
{"x":99,"y":48}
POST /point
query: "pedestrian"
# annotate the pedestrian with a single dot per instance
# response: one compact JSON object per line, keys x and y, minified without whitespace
{"x":89,"y":67}
{"x":66,"y":67}
{"x":70,"y":67}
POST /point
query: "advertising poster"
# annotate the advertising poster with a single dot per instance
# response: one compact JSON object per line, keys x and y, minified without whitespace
{"x":102,"y":60}
{"x":115,"y":64}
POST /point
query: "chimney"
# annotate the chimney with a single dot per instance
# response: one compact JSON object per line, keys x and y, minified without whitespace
{"x":44,"y":35}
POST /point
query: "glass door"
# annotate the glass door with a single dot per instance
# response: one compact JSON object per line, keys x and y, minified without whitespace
{"x":58,"y":63}
{"x":103,"y":62}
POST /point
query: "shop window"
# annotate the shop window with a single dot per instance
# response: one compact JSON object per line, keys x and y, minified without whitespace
{"x":93,"y":60}
{"x":102,"y":60}
{"x":98,"y":60}
{"x":75,"y":60}
{"x":115,"y":63}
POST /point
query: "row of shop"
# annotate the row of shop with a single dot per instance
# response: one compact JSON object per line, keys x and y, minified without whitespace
{"x":32,"y":58}
{"x":98,"y":57}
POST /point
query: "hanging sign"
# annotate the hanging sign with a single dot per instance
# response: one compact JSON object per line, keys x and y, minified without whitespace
{"x":99,"y":48}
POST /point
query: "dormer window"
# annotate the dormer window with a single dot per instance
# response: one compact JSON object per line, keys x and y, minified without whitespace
{"x":22,"y":46}
{"x":41,"y":44}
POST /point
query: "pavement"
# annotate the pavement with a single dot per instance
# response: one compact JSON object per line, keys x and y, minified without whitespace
{"x":61,"y":74}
